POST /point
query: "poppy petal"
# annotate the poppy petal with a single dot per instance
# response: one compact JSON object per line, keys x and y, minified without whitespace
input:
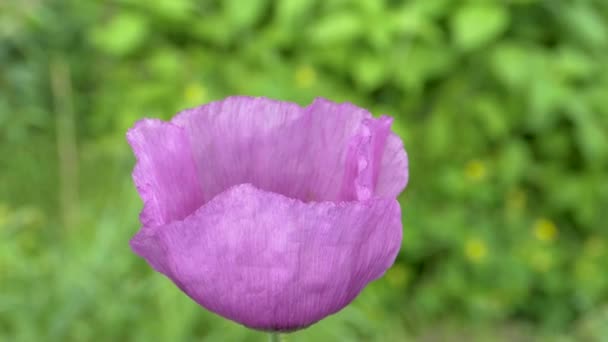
{"x":271,"y":262}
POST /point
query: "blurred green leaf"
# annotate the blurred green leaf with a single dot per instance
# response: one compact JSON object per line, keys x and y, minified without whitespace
{"x":475,"y":24}
{"x":514,"y":161}
{"x":574,"y":64}
{"x":172,"y":9}
{"x":585,"y":23}
{"x":369,"y":71}
{"x":591,"y":135}
{"x":417,"y":63}
{"x":513,"y":64}
{"x":123,"y":34}
{"x":492,"y":116}
{"x":293,"y":11}
{"x":243,"y":14}
{"x":339,"y":28}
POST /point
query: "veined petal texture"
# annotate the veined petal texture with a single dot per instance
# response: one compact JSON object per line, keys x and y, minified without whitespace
{"x":272,"y":262}
{"x":267,"y":213}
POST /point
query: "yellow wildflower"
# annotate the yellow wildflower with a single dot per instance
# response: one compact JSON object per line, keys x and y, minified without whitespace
{"x":195,"y":93}
{"x":545,"y":230}
{"x":475,"y":170}
{"x":475,"y":250}
{"x":305,"y":76}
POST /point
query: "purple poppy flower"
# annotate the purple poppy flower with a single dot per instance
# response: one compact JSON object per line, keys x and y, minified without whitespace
{"x":266,"y":213}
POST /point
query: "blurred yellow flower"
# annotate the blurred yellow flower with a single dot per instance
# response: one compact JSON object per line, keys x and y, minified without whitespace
{"x":305,"y":76}
{"x":475,"y":170}
{"x":195,"y":93}
{"x":475,"y":250}
{"x":545,"y":230}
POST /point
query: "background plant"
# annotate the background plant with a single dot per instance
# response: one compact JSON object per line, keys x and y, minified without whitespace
{"x":502,"y":106}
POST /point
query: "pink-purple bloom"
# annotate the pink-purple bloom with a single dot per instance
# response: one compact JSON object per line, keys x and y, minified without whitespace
{"x":267,"y":213}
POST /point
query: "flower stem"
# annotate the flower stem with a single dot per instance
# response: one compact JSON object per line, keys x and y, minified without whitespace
{"x":275,"y":337}
{"x":67,"y":147}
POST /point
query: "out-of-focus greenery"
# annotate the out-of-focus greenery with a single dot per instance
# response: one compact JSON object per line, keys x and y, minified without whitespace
{"x":503,"y":107}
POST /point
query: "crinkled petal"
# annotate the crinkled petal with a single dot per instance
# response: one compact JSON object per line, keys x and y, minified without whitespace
{"x":271,"y":262}
{"x":393,"y":173}
{"x":278,"y":146}
{"x":165,"y":174}
{"x":364,"y":158}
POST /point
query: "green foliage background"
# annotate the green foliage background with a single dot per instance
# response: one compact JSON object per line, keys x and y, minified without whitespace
{"x":503,"y":107}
